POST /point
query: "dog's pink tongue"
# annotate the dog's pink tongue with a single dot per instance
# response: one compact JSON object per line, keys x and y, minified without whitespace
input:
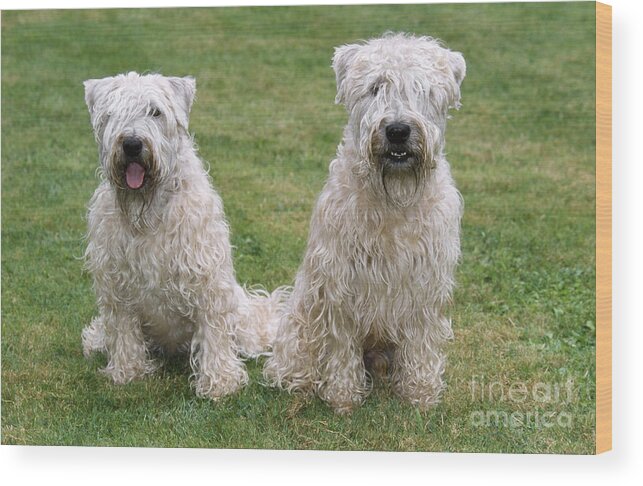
{"x":134,"y":175}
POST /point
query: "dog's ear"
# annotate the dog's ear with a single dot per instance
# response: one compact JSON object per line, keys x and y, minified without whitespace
{"x":94,"y":89}
{"x":90,"y":92}
{"x":185,"y":90}
{"x":343,"y":57}
{"x":458,"y":69}
{"x":458,"y":66}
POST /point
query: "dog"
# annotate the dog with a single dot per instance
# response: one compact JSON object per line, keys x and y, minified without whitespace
{"x":378,"y":272}
{"x":159,"y":246}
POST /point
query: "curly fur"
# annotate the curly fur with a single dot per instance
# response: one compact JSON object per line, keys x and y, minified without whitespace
{"x":160,"y":255}
{"x":378,"y":272}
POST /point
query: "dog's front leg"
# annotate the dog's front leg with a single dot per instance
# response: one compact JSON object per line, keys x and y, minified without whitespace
{"x":216,"y":367}
{"x":125,"y":344}
{"x":343,"y":376}
{"x":420,"y":360}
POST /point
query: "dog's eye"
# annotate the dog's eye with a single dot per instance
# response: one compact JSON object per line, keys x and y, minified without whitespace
{"x":155,"y":112}
{"x":375,"y":89}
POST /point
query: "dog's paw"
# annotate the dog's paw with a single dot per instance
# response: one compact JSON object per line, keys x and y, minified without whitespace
{"x":93,"y":337}
{"x":216,"y":386}
{"x":122,"y":375}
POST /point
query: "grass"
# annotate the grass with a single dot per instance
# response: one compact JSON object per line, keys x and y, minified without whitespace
{"x":522,"y":152}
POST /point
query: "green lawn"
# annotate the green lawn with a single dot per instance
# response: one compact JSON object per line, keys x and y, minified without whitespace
{"x":521,"y":149}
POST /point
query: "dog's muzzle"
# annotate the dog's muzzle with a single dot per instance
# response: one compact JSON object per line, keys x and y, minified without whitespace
{"x":397,"y":150}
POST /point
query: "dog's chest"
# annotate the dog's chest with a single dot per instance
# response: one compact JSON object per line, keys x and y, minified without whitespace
{"x":164,"y":298}
{"x":391,"y":257}
{"x":391,"y":276}
{"x":154,"y":276}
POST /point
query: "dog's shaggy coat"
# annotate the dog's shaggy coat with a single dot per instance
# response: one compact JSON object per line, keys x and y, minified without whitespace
{"x":158,"y":243}
{"x":384,"y":238}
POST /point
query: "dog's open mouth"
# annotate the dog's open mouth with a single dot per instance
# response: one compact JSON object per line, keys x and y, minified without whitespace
{"x":134,"y":175}
{"x":398,"y":156}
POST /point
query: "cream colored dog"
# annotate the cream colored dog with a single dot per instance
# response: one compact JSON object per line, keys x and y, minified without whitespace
{"x":158,"y":243}
{"x":385,"y":234}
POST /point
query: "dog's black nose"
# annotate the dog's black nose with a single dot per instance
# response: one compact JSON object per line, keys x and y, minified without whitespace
{"x":132,"y":146}
{"x":398,"y":132}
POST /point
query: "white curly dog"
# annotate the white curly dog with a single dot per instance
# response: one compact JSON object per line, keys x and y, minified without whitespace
{"x":158,"y":243}
{"x":384,"y":240}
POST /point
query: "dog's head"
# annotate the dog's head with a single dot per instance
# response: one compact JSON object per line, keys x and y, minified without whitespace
{"x":138,"y":122}
{"x":398,"y":90}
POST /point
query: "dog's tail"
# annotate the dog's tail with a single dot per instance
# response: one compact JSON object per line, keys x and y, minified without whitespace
{"x":260,"y":312}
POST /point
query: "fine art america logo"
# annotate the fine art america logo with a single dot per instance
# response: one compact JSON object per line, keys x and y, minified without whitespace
{"x":536,"y":405}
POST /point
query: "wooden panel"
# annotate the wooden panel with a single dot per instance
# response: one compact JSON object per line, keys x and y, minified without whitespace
{"x":603,"y":228}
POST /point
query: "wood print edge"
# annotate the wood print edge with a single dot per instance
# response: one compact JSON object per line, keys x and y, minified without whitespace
{"x":603,"y":227}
